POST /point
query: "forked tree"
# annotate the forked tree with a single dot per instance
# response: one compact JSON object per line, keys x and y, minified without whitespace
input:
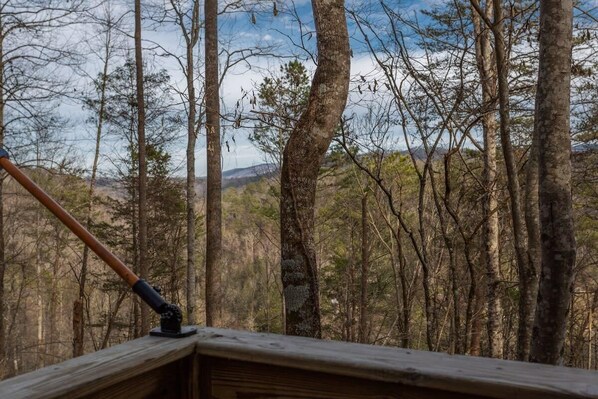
{"x":302,"y":157}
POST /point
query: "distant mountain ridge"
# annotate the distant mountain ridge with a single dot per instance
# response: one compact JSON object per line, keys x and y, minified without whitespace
{"x":261,"y":170}
{"x":241,"y":176}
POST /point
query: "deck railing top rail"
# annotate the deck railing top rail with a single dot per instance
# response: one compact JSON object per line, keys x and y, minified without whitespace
{"x":149,"y":358}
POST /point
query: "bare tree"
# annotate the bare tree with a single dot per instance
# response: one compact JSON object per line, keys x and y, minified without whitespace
{"x":525,"y":268}
{"x":214,"y":167}
{"x":552,"y":125}
{"x":187,"y":19}
{"x":106,"y":28}
{"x":520,"y":238}
{"x":229,"y":57}
{"x":143,"y":260}
{"x":31,"y":54}
{"x":487,"y":70}
{"x":430,"y":96}
{"x":302,"y":158}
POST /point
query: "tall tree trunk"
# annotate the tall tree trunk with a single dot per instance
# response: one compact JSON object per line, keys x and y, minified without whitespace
{"x":406,"y":294}
{"x":191,"y":38}
{"x":532,"y":222}
{"x":552,"y":124}
{"x":519,"y":234}
{"x":133,"y":202}
{"x":39,"y":273}
{"x":214,"y":169}
{"x":479,"y":302}
{"x":460,"y":344}
{"x":78,"y":314}
{"x":365,"y":264}
{"x":349,"y":297}
{"x":55,"y":298}
{"x":143,"y":261}
{"x":487,"y":72}
{"x":3,"y":365}
{"x":302,"y":158}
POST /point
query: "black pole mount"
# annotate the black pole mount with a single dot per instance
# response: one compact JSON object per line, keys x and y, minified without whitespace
{"x":170,"y":314}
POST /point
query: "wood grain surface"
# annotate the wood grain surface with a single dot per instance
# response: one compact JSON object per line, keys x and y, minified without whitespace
{"x":460,"y":374}
{"x":87,"y":375}
{"x":223,"y":364}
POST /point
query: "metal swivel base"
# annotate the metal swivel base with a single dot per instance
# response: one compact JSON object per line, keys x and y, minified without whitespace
{"x":185,"y":332}
{"x":170,"y":323}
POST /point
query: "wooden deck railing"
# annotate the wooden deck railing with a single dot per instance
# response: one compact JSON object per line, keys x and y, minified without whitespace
{"x":224,"y":364}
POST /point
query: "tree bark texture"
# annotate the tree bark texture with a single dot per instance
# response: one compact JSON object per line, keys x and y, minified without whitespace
{"x":532,"y":222}
{"x":191,"y":38}
{"x":214,"y":168}
{"x":302,"y":158}
{"x":143,"y":261}
{"x":519,"y":233}
{"x":78,"y":306}
{"x":3,"y":365}
{"x":552,"y":124}
{"x":365,"y":265}
{"x":487,"y":71}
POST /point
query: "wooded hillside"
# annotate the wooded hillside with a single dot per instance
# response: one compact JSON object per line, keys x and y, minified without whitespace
{"x":426,"y":172}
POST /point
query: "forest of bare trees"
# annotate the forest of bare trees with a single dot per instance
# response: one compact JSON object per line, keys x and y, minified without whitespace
{"x":414,"y":174}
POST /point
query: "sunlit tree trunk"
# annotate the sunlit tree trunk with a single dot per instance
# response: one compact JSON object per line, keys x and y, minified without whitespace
{"x":214,"y":168}
{"x":192,"y":39}
{"x":487,"y":72}
{"x":532,"y":222}
{"x":191,"y":36}
{"x":302,"y":158}
{"x":143,"y":260}
{"x":552,"y":124}
{"x":526,"y":302}
{"x":3,"y":366}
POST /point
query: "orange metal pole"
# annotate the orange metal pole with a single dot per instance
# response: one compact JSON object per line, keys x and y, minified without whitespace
{"x":89,"y":239}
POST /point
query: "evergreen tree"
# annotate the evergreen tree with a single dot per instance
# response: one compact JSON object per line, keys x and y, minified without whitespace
{"x":282,"y":100}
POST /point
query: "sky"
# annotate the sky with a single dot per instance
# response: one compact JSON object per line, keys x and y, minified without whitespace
{"x":237,"y":30}
{"x":243,"y":29}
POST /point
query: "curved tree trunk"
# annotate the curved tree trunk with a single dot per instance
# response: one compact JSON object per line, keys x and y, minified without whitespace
{"x":302,"y":158}
{"x":552,"y":124}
